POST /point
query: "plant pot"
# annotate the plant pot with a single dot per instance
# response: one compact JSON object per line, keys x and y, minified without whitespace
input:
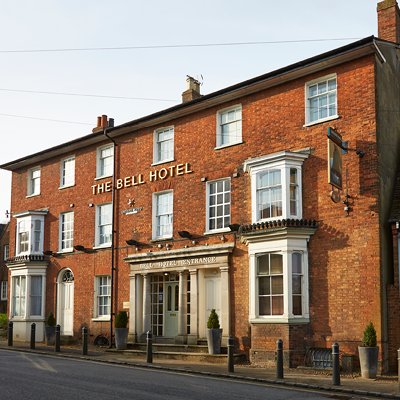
{"x":121,"y":338}
{"x":50,"y":335}
{"x":368,"y":361}
{"x":214,"y":337}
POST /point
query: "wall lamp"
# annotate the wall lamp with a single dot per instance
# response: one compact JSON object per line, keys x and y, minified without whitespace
{"x":234,"y":227}
{"x":185,"y":234}
{"x":50,"y":253}
{"x":132,"y":242}
{"x":79,"y":247}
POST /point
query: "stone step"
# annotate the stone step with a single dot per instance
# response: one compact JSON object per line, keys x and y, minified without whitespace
{"x":175,"y":348}
{"x":181,"y":356}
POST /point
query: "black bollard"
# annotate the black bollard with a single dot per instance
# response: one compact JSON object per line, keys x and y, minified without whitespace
{"x":33,"y":335}
{"x":279,"y":359}
{"x":10,"y":333}
{"x":84,"y":341}
{"x":231,"y":347}
{"x":335,"y":365}
{"x":58,"y":339}
{"x":149,"y":349}
{"x":398,"y":364}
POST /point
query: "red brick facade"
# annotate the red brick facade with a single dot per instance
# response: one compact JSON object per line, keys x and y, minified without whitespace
{"x":346,"y":288}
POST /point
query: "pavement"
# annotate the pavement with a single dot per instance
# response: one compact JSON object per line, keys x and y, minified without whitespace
{"x":351,"y":387}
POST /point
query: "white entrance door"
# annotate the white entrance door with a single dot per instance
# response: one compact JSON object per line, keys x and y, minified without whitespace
{"x":66,"y":303}
{"x":171,"y":304}
{"x":212,"y":296}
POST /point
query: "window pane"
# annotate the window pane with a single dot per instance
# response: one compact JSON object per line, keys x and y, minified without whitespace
{"x":296,"y":284}
{"x":219,"y":207}
{"x":277,"y":285}
{"x":263,"y":264}
{"x":297,"y":308}
{"x":296,"y":263}
{"x":277,"y":305}
{"x":264,"y":285}
{"x":264,"y":306}
{"x":276,"y":264}
{"x":36,"y":295}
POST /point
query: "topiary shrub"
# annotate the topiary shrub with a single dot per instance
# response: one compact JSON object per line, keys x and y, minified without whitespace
{"x":50,"y":321}
{"x":213,"y":320}
{"x":369,"y":338}
{"x":3,"y":321}
{"x":121,"y":319}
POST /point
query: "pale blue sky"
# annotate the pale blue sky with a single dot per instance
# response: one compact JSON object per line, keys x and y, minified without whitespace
{"x":145,"y":73}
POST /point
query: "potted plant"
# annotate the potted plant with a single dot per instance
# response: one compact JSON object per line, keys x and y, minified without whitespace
{"x":368,"y":353}
{"x":50,"y":329}
{"x":214,"y":333}
{"x":121,"y":330}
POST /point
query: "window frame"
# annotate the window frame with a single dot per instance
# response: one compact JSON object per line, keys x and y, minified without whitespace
{"x":63,"y":172}
{"x":286,"y":247}
{"x":33,"y":183}
{"x":6,"y":252}
{"x":155,"y":216}
{"x":3,"y":290}
{"x":98,"y":225}
{"x":308,"y":121}
{"x":34,"y":243}
{"x":208,"y":205}
{"x":100,"y":162}
{"x":239,"y":136}
{"x":157,"y":153}
{"x":62,"y":222}
{"x":97,"y":295}
{"x":283,"y":161}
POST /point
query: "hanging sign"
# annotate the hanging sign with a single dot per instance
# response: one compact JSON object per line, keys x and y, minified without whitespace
{"x":335,"y":147}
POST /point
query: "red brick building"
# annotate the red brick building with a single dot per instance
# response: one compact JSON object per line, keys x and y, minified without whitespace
{"x":235,"y":200}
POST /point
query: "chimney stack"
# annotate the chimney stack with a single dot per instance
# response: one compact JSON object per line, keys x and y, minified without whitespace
{"x":103,"y":122}
{"x":389,"y":20}
{"x":192,"y":90}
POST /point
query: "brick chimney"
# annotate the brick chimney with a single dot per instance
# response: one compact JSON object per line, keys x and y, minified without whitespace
{"x":103,"y":122}
{"x":389,"y":21}
{"x":192,"y":90}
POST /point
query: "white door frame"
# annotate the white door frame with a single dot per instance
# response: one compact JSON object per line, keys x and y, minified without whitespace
{"x":65,"y":277}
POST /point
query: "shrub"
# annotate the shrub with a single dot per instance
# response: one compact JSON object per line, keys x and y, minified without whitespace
{"x":369,"y":338}
{"x":3,"y":321}
{"x":50,"y":321}
{"x":121,"y":319}
{"x":213,"y":320}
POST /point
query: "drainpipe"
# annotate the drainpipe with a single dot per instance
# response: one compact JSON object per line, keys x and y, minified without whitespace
{"x":113,"y":238}
{"x":398,"y":251}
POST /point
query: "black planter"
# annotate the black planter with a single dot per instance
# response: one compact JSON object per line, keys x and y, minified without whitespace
{"x":214,"y":337}
{"x":50,"y":335}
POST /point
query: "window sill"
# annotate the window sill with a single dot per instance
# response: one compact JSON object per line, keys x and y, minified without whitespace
{"x":65,"y":251}
{"x":102,"y":246}
{"x":32,"y":195}
{"x":66,"y":186}
{"x":280,"y":218}
{"x":98,"y":178}
{"x":280,"y":320}
{"x":101,"y":319}
{"x":320,"y":121}
{"x":227,"y":145}
{"x":163,"y":162}
{"x":161,"y":239}
{"x":216,"y":231}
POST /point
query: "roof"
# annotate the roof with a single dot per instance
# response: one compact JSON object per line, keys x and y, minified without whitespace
{"x":322,"y":61}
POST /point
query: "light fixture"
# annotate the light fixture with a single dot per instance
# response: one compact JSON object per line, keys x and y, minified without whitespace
{"x":159,"y":245}
{"x":48,"y":253}
{"x":79,"y":247}
{"x":222,"y":238}
{"x":133,"y":242}
{"x":185,"y":234}
{"x":234,"y":227}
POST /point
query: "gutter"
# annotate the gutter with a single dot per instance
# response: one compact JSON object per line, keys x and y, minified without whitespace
{"x":113,"y":237}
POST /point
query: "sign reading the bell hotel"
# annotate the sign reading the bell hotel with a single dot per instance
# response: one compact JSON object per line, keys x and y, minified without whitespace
{"x":139,"y":179}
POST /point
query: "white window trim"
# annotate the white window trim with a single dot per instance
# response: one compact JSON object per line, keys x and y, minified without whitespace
{"x":284,"y":161}
{"x":3,"y":290}
{"x":97,"y":228}
{"x":98,"y":154}
{"x":218,"y":124}
{"x":307,"y":107}
{"x":154,"y":215}
{"x":29,"y":181}
{"x":226,"y":229}
{"x":96,"y":316}
{"x":6,"y":252}
{"x":67,"y":249}
{"x":285,"y":247}
{"x":62,"y":166}
{"x":30,"y":217}
{"x":157,"y":161}
{"x":27,"y":273}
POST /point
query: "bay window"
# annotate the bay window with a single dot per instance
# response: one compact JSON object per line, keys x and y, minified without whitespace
{"x":29,"y":235}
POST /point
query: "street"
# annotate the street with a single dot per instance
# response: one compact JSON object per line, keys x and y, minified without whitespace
{"x":32,"y":376}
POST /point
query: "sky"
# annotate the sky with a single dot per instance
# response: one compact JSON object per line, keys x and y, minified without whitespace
{"x":167,"y":40}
